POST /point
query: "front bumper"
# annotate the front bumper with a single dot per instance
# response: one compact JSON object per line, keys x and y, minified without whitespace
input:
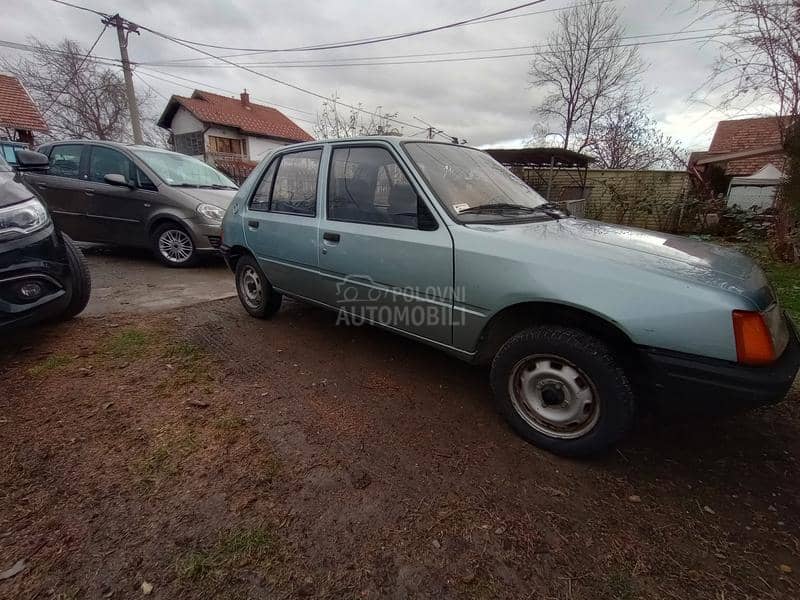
{"x":690,"y":384}
{"x":206,"y":236}
{"x":39,"y":257}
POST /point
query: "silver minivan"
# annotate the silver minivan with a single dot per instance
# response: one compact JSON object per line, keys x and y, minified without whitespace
{"x":135,"y":196}
{"x":581,"y":322}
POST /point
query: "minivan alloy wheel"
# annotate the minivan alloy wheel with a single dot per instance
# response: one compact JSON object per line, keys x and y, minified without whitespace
{"x":175,"y":245}
{"x":553,"y":396}
{"x":252,"y":290}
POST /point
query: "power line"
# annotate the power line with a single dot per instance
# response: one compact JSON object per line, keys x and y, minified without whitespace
{"x":489,"y":20}
{"x":76,"y":73}
{"x":173,"y":79}
{"x":449,"y":60}
{"x":170,"y":78}
{"x":31,"y":48}
{"x":325,"y":62}
{"x":362,"y":41}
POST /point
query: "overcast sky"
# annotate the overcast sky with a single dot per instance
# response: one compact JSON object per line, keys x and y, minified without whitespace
{"x":482,"y":101}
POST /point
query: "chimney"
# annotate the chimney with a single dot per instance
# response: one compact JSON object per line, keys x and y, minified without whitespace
{"x":245,"y":98}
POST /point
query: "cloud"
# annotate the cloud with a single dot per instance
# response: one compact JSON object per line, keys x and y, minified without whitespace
{"x":485,"y":102}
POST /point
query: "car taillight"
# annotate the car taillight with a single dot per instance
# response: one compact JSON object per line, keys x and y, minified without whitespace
{"x":753,"y":339}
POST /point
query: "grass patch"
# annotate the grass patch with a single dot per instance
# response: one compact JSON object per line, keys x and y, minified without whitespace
{"x":232,"y":548}
{"x":128,"y":343}
{"x":785,"y":279}
{"x":51,"y":363}
{"x":165,"y":459}
{"x":229,"y":423}
{"x":620,"y":586}
{"x":190,"y":365}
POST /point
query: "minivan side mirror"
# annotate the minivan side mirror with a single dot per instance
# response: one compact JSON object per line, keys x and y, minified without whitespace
{"x":117,"y":179}
{"x":28,"y":160}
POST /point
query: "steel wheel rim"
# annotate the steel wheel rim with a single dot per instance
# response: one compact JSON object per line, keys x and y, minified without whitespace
{"x":175,"y":245}
{"x":251,"y":287}
{"x":554,"y":396}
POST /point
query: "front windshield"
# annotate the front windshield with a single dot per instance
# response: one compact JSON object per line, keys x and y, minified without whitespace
{"x":183,"y":171}
{"x":472,"y":185}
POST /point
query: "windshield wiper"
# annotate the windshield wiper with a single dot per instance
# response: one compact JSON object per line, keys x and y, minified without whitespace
{"x":496,"y":206}
{"x":217,"y":186}
{"x":189,"y":185}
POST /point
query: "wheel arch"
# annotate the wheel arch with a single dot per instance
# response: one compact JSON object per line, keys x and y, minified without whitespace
{"x":159,"y":220}
{"x":234,"y":253}
{"x":513,"y":319}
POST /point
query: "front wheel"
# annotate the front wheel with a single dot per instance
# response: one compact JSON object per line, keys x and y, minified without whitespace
{"x":563,"y":390}
{"x":255,"y":291}
{"x":173,"y":246}
{"x":81,"y":279}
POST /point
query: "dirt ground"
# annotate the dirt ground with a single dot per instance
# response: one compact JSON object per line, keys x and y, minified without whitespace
{"x":200,"y":453}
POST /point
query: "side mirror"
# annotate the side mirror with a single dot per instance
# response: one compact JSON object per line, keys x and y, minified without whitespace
{"x":117,"y":179}
{"x":28,"y":160}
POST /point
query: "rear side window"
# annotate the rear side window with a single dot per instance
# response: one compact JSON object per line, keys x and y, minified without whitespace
{"x":260,"y":199}
{"x":295,"y":187}
{"x":105,"y":161}
{"x":366,"y":185}
{"x":65,"y":161}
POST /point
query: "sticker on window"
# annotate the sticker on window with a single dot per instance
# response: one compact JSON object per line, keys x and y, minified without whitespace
{"x":460,"y":207}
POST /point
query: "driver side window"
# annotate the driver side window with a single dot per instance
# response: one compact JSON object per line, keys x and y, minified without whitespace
{"x":366,"y":185}
{"x":105,"y":161}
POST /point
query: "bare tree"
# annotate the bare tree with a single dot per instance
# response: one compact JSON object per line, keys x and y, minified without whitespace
{"x":759,"y":60}
{"x":627,"y":138}
{"x":80,"y":98}
{"x":585,"y":69}
{"x":760,"y":63}
{"x":335,"y":122}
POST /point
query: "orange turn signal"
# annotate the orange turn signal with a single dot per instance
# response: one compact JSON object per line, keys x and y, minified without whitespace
{"x":753,"y":340}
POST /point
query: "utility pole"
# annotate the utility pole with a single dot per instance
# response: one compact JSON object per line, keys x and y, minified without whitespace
{"x":125,"y":28}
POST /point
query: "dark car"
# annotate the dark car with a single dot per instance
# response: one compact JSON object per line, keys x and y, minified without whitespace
{"x":8,"y":150}
{"x":43,"y":274}
{"x":136,"y":196}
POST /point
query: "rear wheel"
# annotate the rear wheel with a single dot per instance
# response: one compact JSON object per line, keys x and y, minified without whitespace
{"x":255,"y":292}
{"x":173,"y":246}
{"x":81,"y":279}
{"x":563,"y":390}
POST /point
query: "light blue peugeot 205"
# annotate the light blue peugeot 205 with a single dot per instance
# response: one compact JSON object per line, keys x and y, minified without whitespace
{"x":582,"y":322}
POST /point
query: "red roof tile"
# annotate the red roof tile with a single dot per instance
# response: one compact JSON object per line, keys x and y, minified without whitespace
{"x":17,"y":109}
{"x":251,"y":118}
{"x":740,"y":135}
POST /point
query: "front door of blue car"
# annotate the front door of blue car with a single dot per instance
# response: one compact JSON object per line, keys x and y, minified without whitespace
{"x":383,"y":255}
{"x":281,"y":222}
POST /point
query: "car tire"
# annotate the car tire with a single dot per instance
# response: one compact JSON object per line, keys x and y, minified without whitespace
{"x":563,"y":390}
{"x":173,"y":246}
{"x":254,"y":289}
{"x":81,"y":279}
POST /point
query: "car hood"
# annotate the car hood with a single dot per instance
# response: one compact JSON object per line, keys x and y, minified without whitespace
{"x":679,"y":257}
{"x":221,"y":198}
{"x":11,"y":190}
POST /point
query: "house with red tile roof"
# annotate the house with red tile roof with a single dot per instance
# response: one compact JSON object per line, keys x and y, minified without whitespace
{"x":745,"y":158}
{"x":231,"y":133}
{"x":19,"y":115}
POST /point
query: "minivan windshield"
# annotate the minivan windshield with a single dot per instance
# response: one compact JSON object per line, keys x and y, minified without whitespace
{"x":473,"y":186}
{"x":180,"y":170}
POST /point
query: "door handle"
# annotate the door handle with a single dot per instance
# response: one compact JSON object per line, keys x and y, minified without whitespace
{"x":89,"y":191}
{"x":252,"y":224}
{"x":43,"y":186}
{"x":331,"y":237}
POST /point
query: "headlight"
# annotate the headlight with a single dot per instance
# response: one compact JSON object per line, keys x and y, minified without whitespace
{"x":22,"y":219}
{"x":209,"y":211}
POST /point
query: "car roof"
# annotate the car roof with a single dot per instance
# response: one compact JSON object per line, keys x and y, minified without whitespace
{"x":389,"y":139}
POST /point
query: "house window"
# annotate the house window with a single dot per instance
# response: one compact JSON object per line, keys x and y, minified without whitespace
{"x":189,"y":143}
{"x":225,"y":145}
